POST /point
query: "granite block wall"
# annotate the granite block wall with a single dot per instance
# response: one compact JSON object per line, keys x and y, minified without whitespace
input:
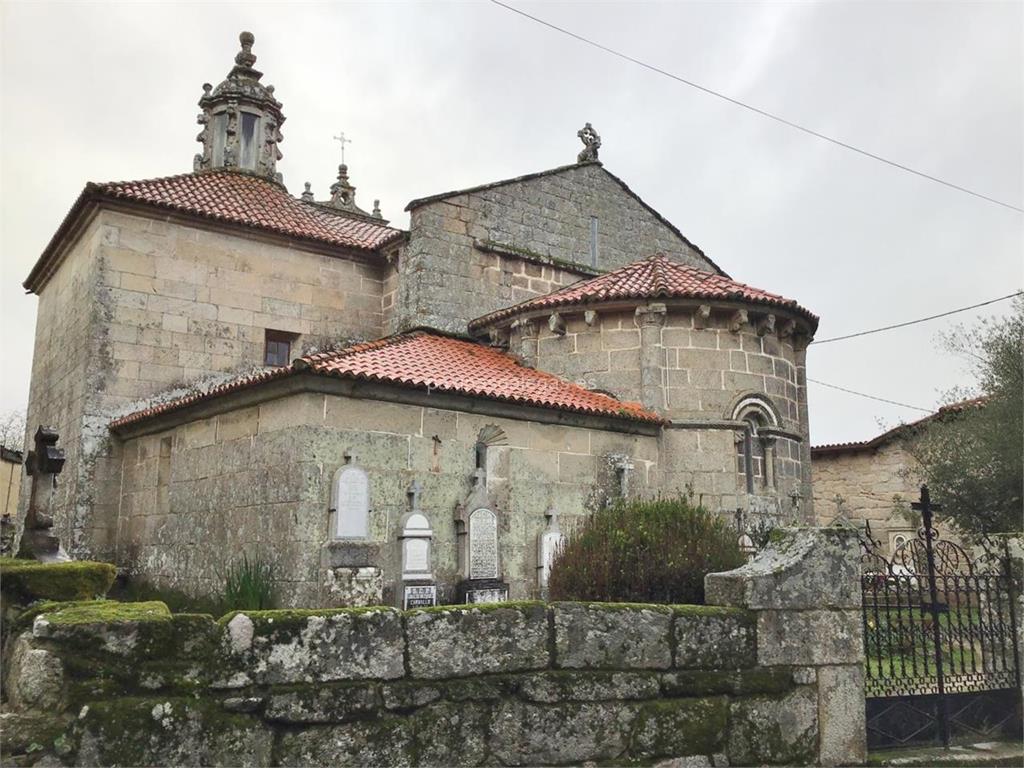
{"x":549,"y":220}
{"x":258,"y":479}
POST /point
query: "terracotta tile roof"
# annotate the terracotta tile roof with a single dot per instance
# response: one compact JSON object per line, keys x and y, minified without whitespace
{"x":655,"y":277}
{"x":232,"y":197}
{"x":899,"y":430}
{"x":430,"y":362}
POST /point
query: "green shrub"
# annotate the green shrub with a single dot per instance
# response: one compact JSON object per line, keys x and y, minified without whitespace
{"x":648,"y":551}
{"x":249,"y":585}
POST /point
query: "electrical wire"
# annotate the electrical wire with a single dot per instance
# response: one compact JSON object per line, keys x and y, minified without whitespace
{"x":757,"y":110}
{"x":870,"y":397}
{"x":915,"y":322}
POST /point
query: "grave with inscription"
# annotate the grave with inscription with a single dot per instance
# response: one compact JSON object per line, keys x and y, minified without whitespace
{"x":477,"y":525}
{"x":350,"y":501}
{"x":415,"y":541}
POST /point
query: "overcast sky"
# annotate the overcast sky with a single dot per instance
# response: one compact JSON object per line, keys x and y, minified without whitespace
{"x":438,"y":96}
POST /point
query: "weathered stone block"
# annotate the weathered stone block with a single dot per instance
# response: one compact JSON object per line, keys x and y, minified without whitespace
{"x":810,"y":637}
{"x":774,"y":731}
{"x":709,"y":637}
{"x":456,"y":641}
{"x":740,"y":682}
{"x":612,"y":636}
{"x":680,"y":727}
{"x":803,"y":568}
{"x":553,"y":686}
{"x":841,"y":717}
{"x":451,"y":734}
{"x":35,"y":677}
{"x":270,"y":647}
{"x":529,"y":734}
{"x":334,"y":704}
{"x":386,"y":740}
{"x":169,"y":731}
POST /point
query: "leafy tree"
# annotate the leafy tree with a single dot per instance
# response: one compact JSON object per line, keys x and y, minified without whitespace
{"x":12,"y":430}
{"x":972,"y":453}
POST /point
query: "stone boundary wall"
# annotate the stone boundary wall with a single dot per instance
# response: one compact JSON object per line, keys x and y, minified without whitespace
{"x":104,"y":683}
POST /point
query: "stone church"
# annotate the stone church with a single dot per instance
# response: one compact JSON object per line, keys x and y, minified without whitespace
{"x":391,"y":415}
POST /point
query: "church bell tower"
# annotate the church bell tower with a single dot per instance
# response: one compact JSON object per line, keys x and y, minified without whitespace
{"x":241,"y":120}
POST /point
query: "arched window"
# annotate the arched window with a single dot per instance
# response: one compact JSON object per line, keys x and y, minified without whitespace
{"x":750,"y":453}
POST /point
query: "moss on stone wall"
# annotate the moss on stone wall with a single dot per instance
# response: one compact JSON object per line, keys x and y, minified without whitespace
{"x":25,"y":581}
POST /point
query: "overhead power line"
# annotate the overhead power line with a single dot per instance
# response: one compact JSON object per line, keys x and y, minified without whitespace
{"x":915,"y":322}
{"x":870,"y":397}
{"x":757,"y":110}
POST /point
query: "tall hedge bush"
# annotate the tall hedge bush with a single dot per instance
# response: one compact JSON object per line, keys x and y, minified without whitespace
{"x":648,"y":551}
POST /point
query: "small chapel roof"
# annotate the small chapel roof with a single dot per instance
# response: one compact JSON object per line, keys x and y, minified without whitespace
{"x":226,"y":196}
{"x":656,"y":277}
{"x":433,"y":362}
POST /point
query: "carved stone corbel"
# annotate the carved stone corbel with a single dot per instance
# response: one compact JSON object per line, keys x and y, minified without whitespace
{"x":556,"y":324}
{"x":590,"y":317}
{"x":738,"y":320}
{"x":787,"y":328}
{"x":766,"y":325}
{"x":528,"y":332}
{"x":702,"y":317}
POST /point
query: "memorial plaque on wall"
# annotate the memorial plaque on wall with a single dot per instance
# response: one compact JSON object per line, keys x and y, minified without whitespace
{"x":483,"y":544}
{"x":422,"y":596}
{"x":351,"y":504}
{"x":495,"y":595}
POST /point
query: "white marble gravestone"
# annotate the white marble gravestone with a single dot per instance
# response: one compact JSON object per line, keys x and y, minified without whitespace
{"x":350,"y":503}
{"x":416,"y":538}
{"x":548,"y":543}
{"x":483,"y":544}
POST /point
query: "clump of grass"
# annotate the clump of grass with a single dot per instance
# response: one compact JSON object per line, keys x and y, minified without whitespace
{"x":249,"y":585}
{"x":646,"y":551}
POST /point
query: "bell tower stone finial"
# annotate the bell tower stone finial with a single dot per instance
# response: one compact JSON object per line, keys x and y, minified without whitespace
{"x":241,"y":120}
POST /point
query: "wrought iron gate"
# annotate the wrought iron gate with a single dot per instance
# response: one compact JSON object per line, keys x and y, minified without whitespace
{"x":942,"y":662}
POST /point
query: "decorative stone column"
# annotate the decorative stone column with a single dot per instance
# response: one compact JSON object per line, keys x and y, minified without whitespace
{"x":525,"y":334}
{"x":800,"y":352}
{"x":805,"y":590}
{"x":651,"y":319}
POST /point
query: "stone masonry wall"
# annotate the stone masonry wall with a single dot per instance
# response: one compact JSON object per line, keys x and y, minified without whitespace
{"x":258,"y":479}
{"x":656,"y":355}
{"x":876,"y":485}
{"x":772,"y":676}
{"x":512,"y":684}
{"x":549,"y":217}
{"x":140,"y":305}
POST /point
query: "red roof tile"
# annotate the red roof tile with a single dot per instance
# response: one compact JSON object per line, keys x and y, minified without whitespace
{"x":434,"y":363}
{"x":652,"y":278}
{"x":244,"y":199}
{"x":227,"y":196}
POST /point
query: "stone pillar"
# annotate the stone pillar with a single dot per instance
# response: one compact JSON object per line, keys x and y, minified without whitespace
{"x":805,"y":590}
{"x":806,"y":493}
{"x":525,"y":334}
{"x":651,"y":319}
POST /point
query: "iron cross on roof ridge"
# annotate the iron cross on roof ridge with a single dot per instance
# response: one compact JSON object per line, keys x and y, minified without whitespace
{"x":340,"y":138}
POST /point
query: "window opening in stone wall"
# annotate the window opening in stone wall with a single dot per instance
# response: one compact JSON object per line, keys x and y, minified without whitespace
{"x":277,"y":350}
{"x":247,"y":155}
{"x":593,"y":241}
{"x":220,"y":133}
{"x":750,"y":453}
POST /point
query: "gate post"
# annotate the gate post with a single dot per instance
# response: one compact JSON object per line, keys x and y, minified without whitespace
{"x":805,"y":589}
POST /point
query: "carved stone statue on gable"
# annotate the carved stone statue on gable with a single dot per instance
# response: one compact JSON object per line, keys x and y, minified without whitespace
{"x":591,"y":144}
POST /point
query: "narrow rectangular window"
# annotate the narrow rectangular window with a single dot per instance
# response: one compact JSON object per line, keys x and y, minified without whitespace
{"x":593,"y":241}
{"x":277,"y":350}
{"x":220,"y":130}
{"x":247,"y":156}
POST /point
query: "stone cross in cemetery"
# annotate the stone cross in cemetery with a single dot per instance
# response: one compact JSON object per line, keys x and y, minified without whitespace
{"x":43,"y":465}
